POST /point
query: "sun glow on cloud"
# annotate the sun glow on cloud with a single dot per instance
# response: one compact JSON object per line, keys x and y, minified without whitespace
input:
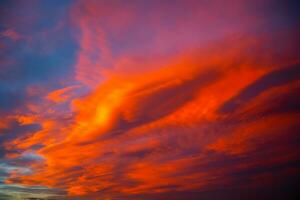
{"x":162,"y":98}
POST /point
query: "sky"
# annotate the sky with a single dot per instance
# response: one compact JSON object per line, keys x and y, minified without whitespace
{"x":149,"y":100}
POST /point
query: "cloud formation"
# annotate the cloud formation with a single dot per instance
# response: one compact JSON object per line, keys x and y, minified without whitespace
{"x":177,"y":100}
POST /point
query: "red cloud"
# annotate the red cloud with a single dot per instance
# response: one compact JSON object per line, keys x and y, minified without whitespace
{"x":160,"y":128}
{"x":119,"y":139}
{"x":11,"y":34}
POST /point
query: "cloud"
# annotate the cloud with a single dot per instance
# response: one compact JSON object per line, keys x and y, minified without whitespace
{"x":11,"y":34}
{"x":61,"y":95}
{"x":267,"y":82}
{"x":130,"y":135}
{"x":189,"y":99}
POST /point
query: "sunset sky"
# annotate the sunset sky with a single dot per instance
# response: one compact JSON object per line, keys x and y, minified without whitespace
{"x":149,"y":99}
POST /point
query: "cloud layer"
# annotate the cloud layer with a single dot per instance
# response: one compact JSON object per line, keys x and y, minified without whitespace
{"x":150,"y":101}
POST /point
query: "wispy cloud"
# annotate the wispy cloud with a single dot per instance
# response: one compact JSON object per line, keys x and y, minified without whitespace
{"x":159,"y":99}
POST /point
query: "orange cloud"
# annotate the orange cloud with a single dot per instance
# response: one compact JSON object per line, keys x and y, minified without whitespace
{"x":61,"y":95}
{"x":119,"y":137}
{"x":181,"y":121}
